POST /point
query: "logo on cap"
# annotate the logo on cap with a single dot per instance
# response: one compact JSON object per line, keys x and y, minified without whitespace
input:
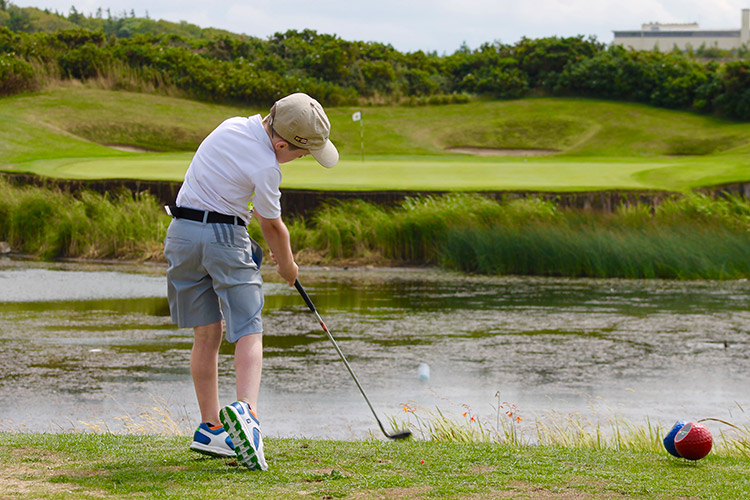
{"x":299,"y":139}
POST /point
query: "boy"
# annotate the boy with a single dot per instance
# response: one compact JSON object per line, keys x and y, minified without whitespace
{"x":214,"y":267}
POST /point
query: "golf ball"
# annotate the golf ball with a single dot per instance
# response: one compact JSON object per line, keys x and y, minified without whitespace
{"x":423,"y":372}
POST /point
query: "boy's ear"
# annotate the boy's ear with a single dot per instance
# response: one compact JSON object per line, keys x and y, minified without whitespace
{"x":280,"y":145}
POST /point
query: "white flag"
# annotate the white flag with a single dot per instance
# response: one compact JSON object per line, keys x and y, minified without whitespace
{"x":357,"y":116}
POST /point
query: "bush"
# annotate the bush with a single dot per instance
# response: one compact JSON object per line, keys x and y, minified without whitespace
{"x":544,"y":59}
{"x":241,"y":69}
{"x":665,"y":80}
{"x":86,"y":61}
{"x":734,"y":99}
{"x":15,"y":75}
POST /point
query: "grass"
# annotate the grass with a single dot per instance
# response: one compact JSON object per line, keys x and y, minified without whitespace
{"x":62,"y":132}
{"x":111,"y":466}
{"x":449,"y":457}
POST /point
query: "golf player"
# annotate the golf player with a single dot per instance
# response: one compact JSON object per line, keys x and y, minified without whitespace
{"x":214,"y":267}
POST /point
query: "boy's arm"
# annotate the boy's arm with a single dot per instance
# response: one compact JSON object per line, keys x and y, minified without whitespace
{"x":277,"y":237}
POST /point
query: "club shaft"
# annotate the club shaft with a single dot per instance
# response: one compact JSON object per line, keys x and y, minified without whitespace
{"x":312,"y":308}
{"x":348,"y":367}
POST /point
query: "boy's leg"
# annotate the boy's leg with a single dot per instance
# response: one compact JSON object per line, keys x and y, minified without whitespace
{"x":204,"y":368}
{"x":248,"y":364}
{"x":240,"y":419}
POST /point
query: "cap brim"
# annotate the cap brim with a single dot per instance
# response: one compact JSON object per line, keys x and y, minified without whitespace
{"x":328,"y":155}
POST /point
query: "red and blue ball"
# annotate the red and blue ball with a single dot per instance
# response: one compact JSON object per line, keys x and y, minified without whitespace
{"x":689,"y":440}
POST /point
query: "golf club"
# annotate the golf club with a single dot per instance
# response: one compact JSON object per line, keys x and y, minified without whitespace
{"x":306,"y":298}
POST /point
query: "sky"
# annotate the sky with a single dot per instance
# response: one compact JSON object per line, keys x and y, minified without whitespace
{"x":441,"y":26}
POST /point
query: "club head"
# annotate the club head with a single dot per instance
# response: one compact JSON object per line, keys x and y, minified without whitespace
{"x":400,"y":435}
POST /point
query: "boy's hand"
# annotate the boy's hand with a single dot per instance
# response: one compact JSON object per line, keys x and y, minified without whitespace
{"x":291,"y":269}
{"x":288,"y":272}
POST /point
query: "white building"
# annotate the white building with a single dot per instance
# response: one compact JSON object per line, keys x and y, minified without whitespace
{"x":684,"y":36}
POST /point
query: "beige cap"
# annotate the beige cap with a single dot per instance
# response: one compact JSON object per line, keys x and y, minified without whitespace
{"x":301,"y":121}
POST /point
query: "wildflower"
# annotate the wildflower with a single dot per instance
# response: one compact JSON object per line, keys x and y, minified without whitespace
{"x":408,"y":408}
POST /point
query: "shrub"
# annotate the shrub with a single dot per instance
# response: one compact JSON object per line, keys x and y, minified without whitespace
{"x":86,"y":61}
{"x":15,"y":75}
{"x":734,"y":98}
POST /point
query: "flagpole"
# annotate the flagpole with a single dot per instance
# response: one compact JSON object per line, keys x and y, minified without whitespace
{"x":357,"y":117}
{"x":362,"y":138}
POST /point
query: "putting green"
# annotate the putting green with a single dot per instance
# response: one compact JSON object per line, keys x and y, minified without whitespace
{"x":427,"y":174}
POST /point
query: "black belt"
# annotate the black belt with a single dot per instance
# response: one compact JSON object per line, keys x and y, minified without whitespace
{"x":203,"y":216}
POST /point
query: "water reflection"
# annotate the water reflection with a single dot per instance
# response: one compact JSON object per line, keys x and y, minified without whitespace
{"x":644,"y":349}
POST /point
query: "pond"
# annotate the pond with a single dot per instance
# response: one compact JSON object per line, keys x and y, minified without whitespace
{"x":91,"y":346}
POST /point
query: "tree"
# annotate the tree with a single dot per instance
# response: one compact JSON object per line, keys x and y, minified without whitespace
{"x":19,"y":19}
{"x":75,"y":16}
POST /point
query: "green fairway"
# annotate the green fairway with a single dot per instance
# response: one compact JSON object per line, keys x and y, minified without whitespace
{"x":597,"y":145}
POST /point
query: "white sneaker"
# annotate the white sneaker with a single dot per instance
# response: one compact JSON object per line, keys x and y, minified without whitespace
{"x":244,"y":429}
{"x":212,"y":441}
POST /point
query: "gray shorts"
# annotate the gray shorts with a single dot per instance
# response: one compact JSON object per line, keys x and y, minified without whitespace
{"x":214,"y":272}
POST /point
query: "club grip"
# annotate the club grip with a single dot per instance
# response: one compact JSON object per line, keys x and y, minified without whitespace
{"x":304,"y":295}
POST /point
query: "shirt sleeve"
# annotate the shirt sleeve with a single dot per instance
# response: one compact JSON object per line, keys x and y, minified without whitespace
{"x":267,"y":197}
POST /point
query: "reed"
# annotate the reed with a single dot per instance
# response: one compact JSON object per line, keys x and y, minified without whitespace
{"x":349,"y":229}
{"x":689,"y":251}
{"x":50,"y":223}
{"x":692,"y":237}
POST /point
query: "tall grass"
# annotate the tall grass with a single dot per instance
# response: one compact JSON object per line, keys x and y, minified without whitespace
{"x":692,"y":237}
{"x":594,"y":431}
{"x":691,"y":251}
{"x":51,"y":224}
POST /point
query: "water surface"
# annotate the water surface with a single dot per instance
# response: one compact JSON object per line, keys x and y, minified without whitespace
{"x":92,"y":346}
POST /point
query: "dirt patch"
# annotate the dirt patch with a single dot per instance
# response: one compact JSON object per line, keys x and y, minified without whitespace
{"x":413,"y":492}
{"x":524,"y":490}
{"x":469,"y":150}
{"x":33,"y":472}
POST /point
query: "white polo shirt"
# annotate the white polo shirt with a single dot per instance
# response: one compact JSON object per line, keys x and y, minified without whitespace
{"x":234,"y":166}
